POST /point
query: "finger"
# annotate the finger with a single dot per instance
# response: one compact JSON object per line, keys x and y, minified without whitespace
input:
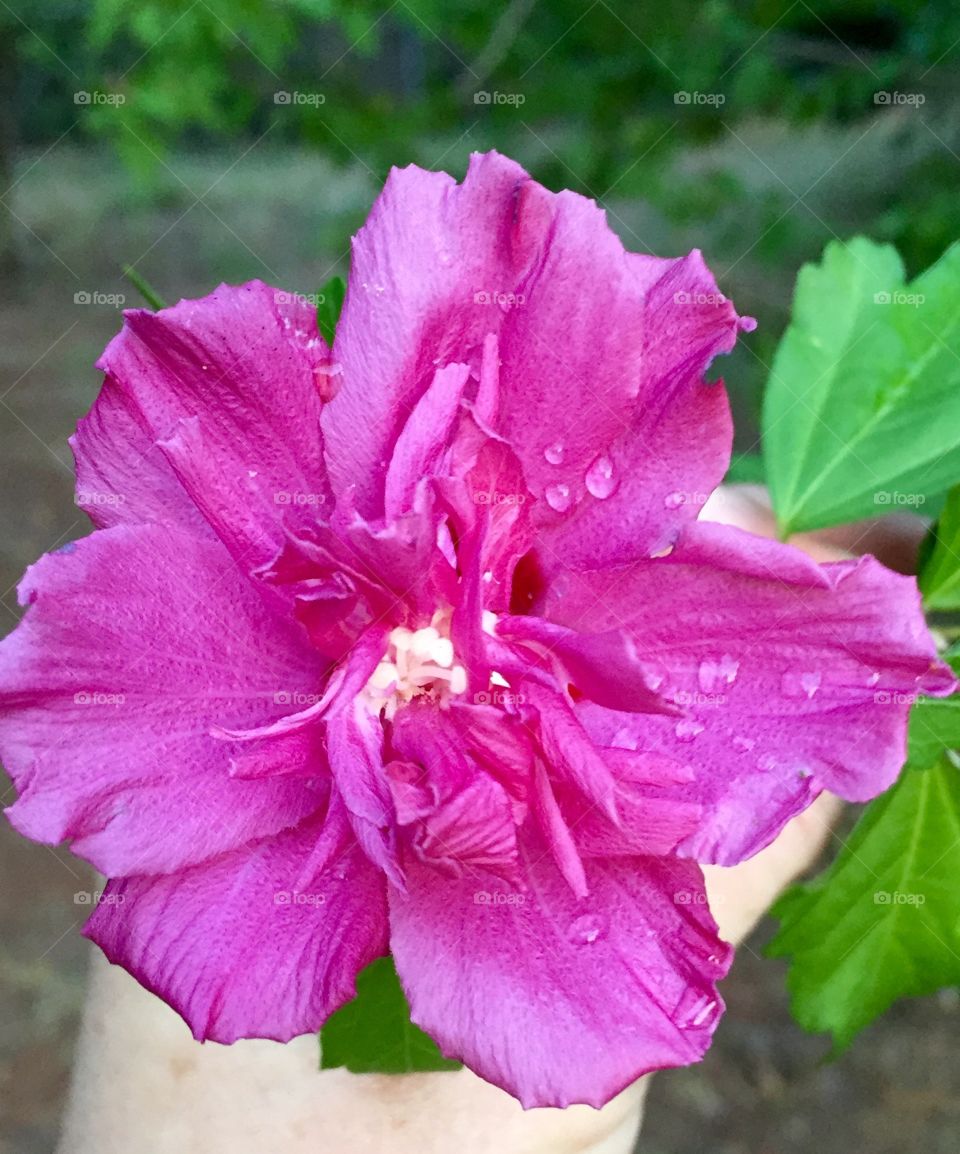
{"x":893,"y":539}
{"x":740,"y":895}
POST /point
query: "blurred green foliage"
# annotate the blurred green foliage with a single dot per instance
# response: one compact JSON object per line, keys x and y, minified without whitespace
{"x":588,"y":88}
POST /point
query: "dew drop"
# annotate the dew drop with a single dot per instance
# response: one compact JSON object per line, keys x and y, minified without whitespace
{"x":713,"y":675}
{"x":624,"y":739}
{"x":686,"y":729}
{"x":587,"y":929}
{"x":600,"y":479}
{"x":766,"y":762}
{"x":873,"y":678}
{"x":674,"y":500}
{"x":559,"y":498}
{"x":744,"y":744}
{"x":554,"y":453}
{"x":694,"y":1010}
{"x":800,"y":683}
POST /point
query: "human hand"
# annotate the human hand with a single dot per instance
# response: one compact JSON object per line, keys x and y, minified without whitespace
{"x":142,"y":1083}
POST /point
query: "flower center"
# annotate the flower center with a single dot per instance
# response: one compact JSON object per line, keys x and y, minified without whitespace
{"x":417,"y":661}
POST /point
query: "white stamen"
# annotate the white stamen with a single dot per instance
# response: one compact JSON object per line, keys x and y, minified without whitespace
{"x":420,"y":661}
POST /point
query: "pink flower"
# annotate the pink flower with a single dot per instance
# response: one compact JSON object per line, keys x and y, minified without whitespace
{"x":417,"y":644}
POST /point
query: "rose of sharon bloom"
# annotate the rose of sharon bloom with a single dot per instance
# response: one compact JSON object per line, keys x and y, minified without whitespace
{"x":417,"y":644}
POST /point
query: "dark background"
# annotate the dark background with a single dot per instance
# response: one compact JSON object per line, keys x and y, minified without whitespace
{"x":154,"y":134}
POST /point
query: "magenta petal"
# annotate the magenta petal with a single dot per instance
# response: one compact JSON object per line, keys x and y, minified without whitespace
{"x":468,"y":820}
{"x":634,"y":467}
{"x":133,"y":644}
{"x":602,"y":666}
{"x":653,"y":812}
{"x":792,"y":676}
{"x":227,"y":384}
{"x":428,"y":248}
{"x":246,"y":945}
{"x":558,"y":999}
{"x":355,"y":750}
{"x":421,"y":445}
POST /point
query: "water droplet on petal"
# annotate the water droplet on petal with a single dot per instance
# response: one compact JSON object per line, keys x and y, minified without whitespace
{"x":559,"y":498}
{"x":694,"y":1010}
{"x":767,"y":762}
{"x":744,"y":744}
{"x":587,"y":929}
{"x":799,"y":683}
{"x":673,"y":500}
{"x":554,"y":453}
{"x":600,"y":479}
{"x":873,"y":678}
{"x":713,"y":675}
{"x":687,"y":729}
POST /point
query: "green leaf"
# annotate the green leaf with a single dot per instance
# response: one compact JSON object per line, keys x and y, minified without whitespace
{"x":940,"y":575}
{"x":329,"y":305}
{"x":373,"y":1034}
{"x":935,"y":723}
{"x":746,"y":469}
{"x":883,"y":922}
{"x":144,"y":288}
{"x":862,"y":410}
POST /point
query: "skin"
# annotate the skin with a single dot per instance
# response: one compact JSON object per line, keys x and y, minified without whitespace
{"x":142,"y":1083}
